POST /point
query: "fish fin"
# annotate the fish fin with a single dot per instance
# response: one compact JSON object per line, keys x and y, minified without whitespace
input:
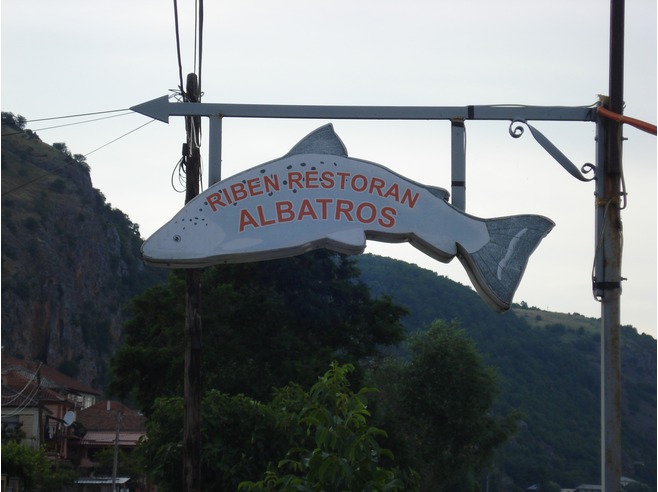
{"x":496,"y":269}
{"x":348,"y":241}
{"x":323,"y":140}
{"x":438,"y":192}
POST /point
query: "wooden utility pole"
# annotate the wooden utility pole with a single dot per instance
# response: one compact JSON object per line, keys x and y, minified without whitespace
{"x":607,"y":282}
{"x":192,"y":383}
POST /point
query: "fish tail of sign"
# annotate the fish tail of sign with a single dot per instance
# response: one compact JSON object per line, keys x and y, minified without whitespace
{"x":496,"y":269}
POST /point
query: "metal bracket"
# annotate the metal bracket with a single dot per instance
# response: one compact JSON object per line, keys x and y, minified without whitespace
{"x":516,"y":130}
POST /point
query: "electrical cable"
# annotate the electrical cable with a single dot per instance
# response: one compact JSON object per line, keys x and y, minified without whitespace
{"x":639,"y":124}
{"x":25,"y":387}
{"x":119,"y":138}
{"x":192,"y":124}
{"x":26,"y":402}
{"x":77,"y":115}
{"x":196,"y":32}
{"x":597,"y":250}
{"x":33,"y":180}
{"x":180,"y":170}
{"x":180,"y":63}
{"x":180,"y":167}
{"x":49,"y":173}
{"x":69,"y":124}
{"x":200,"y":43}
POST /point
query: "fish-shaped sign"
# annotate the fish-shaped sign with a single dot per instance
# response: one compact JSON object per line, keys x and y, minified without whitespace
{"x":316,"y":196}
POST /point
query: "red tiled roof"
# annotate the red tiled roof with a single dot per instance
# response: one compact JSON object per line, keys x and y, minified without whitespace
{"x":13,"y":398}
{"x":99,"y":418}
{"x":49,"y":376}
{"x":23,"y":390}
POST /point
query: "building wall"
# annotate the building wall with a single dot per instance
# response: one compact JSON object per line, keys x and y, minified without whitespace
{"x":29,"y":417}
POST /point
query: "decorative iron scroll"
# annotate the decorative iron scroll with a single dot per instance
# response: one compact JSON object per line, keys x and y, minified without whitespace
{"x":516,"y":130}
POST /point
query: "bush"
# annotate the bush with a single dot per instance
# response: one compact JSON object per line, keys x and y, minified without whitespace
{"x":32,"y":467}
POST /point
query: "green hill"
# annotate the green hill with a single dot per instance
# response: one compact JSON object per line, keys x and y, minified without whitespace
{"x":549,"y":369}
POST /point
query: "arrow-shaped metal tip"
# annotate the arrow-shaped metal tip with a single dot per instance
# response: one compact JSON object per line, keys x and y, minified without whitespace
{"x":158,"y":109}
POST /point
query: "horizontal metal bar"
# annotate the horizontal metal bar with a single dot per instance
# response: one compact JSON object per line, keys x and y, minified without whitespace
{"x":343,"y":112}
{"x":410,"y":112}
{"x":545,"y":113}
{"x":161,"y":109}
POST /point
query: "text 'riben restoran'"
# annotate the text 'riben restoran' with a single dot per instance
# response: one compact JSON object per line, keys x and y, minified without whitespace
{"x":324,"y":207}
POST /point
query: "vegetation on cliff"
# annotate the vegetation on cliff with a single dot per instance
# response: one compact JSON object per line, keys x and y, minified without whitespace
{"x":70,"y":261}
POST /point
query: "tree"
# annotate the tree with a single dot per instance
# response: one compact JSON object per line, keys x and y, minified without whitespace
{"x":318,"y":439}
{"x":61,"y":147}
{"x":332,"y":445}
{"x":82,"y":160}
{"x":16,"y":121}
{"x":437,"y":409}
{"x":240,"y":440}
{"x":12,"y":430}
{"x":33,"y":468}
{"x":265,"y":324}
{"x":149,"y":364}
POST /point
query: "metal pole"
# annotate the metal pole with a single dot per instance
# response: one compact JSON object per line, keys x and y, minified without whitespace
{"x":458,"y":149}
{"x":192,"y":375}
{"x":115,"y":462}
{"x":608,"y":281}
{"x":215,"y":149}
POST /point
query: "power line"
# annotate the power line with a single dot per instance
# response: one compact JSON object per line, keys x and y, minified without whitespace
{"x":119,"y":138}
{"x":29,"y":381}
{"x":198,"y":46}
{"x":199,"y":31}
{"x":180,"y":62}
{"x":78,"y":115}
{"x":33,"y":180}
{"x":80,"y":122}
{"x":128,"y":111}
{"x":26,"y":402}
{"x":48,"y":173}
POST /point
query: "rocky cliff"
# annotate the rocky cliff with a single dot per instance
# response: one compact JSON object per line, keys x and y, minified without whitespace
{"x":70,"y":262}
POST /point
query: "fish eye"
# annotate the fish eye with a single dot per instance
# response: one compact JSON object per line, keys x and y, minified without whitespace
{"x":177,"y":238}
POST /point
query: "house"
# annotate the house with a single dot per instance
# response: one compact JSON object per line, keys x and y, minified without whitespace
{"x":43,"y":407}
{"x":80,"y":394}
{"x":108,"y":425}
{"x":104,"y":423}
{"x":20,"y":410}
{"x":39,"y":405}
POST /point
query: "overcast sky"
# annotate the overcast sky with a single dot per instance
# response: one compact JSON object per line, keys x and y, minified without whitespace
{"x":74,"y":56}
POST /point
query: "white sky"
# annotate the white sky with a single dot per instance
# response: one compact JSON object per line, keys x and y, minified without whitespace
{"x":76,"y":56}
